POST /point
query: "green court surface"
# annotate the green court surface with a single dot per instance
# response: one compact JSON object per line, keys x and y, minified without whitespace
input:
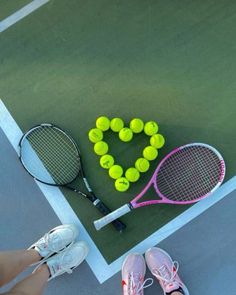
{"x":170,"y":61}
{"x":7,"y":7}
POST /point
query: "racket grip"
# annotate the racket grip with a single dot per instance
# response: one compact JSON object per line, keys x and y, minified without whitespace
{"x":119,"y":225}
{"x":111,"y":217}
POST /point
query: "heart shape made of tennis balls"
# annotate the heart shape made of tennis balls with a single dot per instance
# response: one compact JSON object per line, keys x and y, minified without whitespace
{"x":107,"y":161}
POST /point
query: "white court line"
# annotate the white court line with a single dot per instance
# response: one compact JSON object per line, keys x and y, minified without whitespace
{"x":55,"y":197}
{"x":21,"y":13}
{"x":96,"y":261}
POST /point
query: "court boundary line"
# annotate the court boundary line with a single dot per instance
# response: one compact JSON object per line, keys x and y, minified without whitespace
{"x":54,"y":195}
{"x":20,"y":14}
{"x":101,"y":269}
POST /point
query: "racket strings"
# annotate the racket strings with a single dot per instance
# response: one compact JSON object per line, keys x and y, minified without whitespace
{"x":60,"y":153}
{"x":54,"y":147}
{"x":198,"y":184}
{"x":46,"y":159}
{"x":53,"y":168}
{"x":198,"y":167}
{"x":189,"y":174}
{"x":55,"y":150}
{"x":57,"y":141}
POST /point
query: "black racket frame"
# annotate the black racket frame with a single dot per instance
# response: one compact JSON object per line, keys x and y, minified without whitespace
{"x":119,"y":225}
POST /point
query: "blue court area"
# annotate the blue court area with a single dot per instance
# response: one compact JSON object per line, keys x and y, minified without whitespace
{"x":199,"y":238}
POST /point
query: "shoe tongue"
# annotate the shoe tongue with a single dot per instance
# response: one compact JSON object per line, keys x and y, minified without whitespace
{"x":43,"y":251}
{"x":135,"y":286}
{"x":55,"y":245}
{"x":53,"y":267}
{"x":171,"y":287}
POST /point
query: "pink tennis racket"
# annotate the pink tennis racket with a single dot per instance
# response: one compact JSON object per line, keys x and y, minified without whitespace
{"x":185,"y":176}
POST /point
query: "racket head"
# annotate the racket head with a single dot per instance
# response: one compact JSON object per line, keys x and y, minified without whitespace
{"x":189,"y":173}
{"x":50,"y":155}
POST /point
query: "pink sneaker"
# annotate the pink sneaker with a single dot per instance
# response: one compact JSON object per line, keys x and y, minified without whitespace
{"x":165,"y":270}
{"x":133,"y":272}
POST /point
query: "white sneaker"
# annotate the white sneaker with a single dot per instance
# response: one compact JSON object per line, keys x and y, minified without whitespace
{"x":56,"y":240}
{"x":133,"y":272}
{"x":67,"y":260}
{"x":165,"y":270}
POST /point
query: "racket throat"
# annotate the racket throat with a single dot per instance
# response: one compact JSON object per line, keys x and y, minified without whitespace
{"x":79,"y":192}
{"x":96,"y":202}
{"x":130,"y":206}
{"x":87,"y":184}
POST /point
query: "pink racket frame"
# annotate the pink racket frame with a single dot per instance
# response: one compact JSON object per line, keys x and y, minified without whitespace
{"x":163,"y":199}
{"x":100,"y":223}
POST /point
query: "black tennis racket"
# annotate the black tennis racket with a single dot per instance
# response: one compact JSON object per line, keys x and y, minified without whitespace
{"x":52,"y":157}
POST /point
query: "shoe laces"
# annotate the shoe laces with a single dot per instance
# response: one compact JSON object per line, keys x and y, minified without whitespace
{"x":135,"y":285}
{"x":50,"y":242}
{"x":62,"y":265}
{"x":165,"y":274}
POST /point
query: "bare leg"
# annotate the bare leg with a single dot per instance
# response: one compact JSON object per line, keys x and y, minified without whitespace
{"x":34,"y":284}
{"x":14,"y":262}
{"x":177,"y":293}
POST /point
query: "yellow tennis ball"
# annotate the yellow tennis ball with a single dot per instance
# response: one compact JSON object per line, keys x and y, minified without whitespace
{"x":132,"y":174}
{"x":150,"y":153}
{"x":103,"y":123}
{"x":151,"y":128}
{"x":115,"y":171}
{"x":157,"y":141}
{"x":122,"y":184}
{"x":136,"y":125}
{"x":106,"y":161}
{"x":125,"y":134}
{"x":101,"y":148}
{"x":95,"y":135}
{"x":116,"y":124}
{"x":142,"y":165}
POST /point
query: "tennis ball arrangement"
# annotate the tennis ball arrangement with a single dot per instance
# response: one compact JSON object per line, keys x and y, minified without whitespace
{"x":150,"y":153}
{"x":95,"y":135}
{"x":122,"y":184}
{"x":157,"y":141}
{"x":117,"y":124}
{"x":107,"y":161}
{"x":142,"y":165}
{"x":115,"y":171}
{"x":124,"y":177}
{"x":136,"y":125}
{"x":125,"y":134}
{"x":101,"y":148}
{"x":151,"y":128}
{"x":103,"y":123}
{"x":132,"y":174}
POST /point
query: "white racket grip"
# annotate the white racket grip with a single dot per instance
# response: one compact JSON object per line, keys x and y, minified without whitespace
{"x":100,"y":223}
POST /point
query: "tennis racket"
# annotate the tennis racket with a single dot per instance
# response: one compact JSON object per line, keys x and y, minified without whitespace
{"x":186,"y":175}
{"x":52,"y":157}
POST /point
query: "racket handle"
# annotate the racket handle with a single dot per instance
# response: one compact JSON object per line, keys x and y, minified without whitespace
{"x":119,"y":225}
{"x":111,"y":217}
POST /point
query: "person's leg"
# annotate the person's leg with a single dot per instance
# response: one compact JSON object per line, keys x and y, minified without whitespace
{"x":14,"y":262}
{"x":34,"y":284}
{"x":54,"y":266}
{"x":165,"y":270}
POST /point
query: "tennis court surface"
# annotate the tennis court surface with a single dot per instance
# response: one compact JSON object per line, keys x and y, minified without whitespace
{"x":205,"y":243}
{"x":168,"y":62}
